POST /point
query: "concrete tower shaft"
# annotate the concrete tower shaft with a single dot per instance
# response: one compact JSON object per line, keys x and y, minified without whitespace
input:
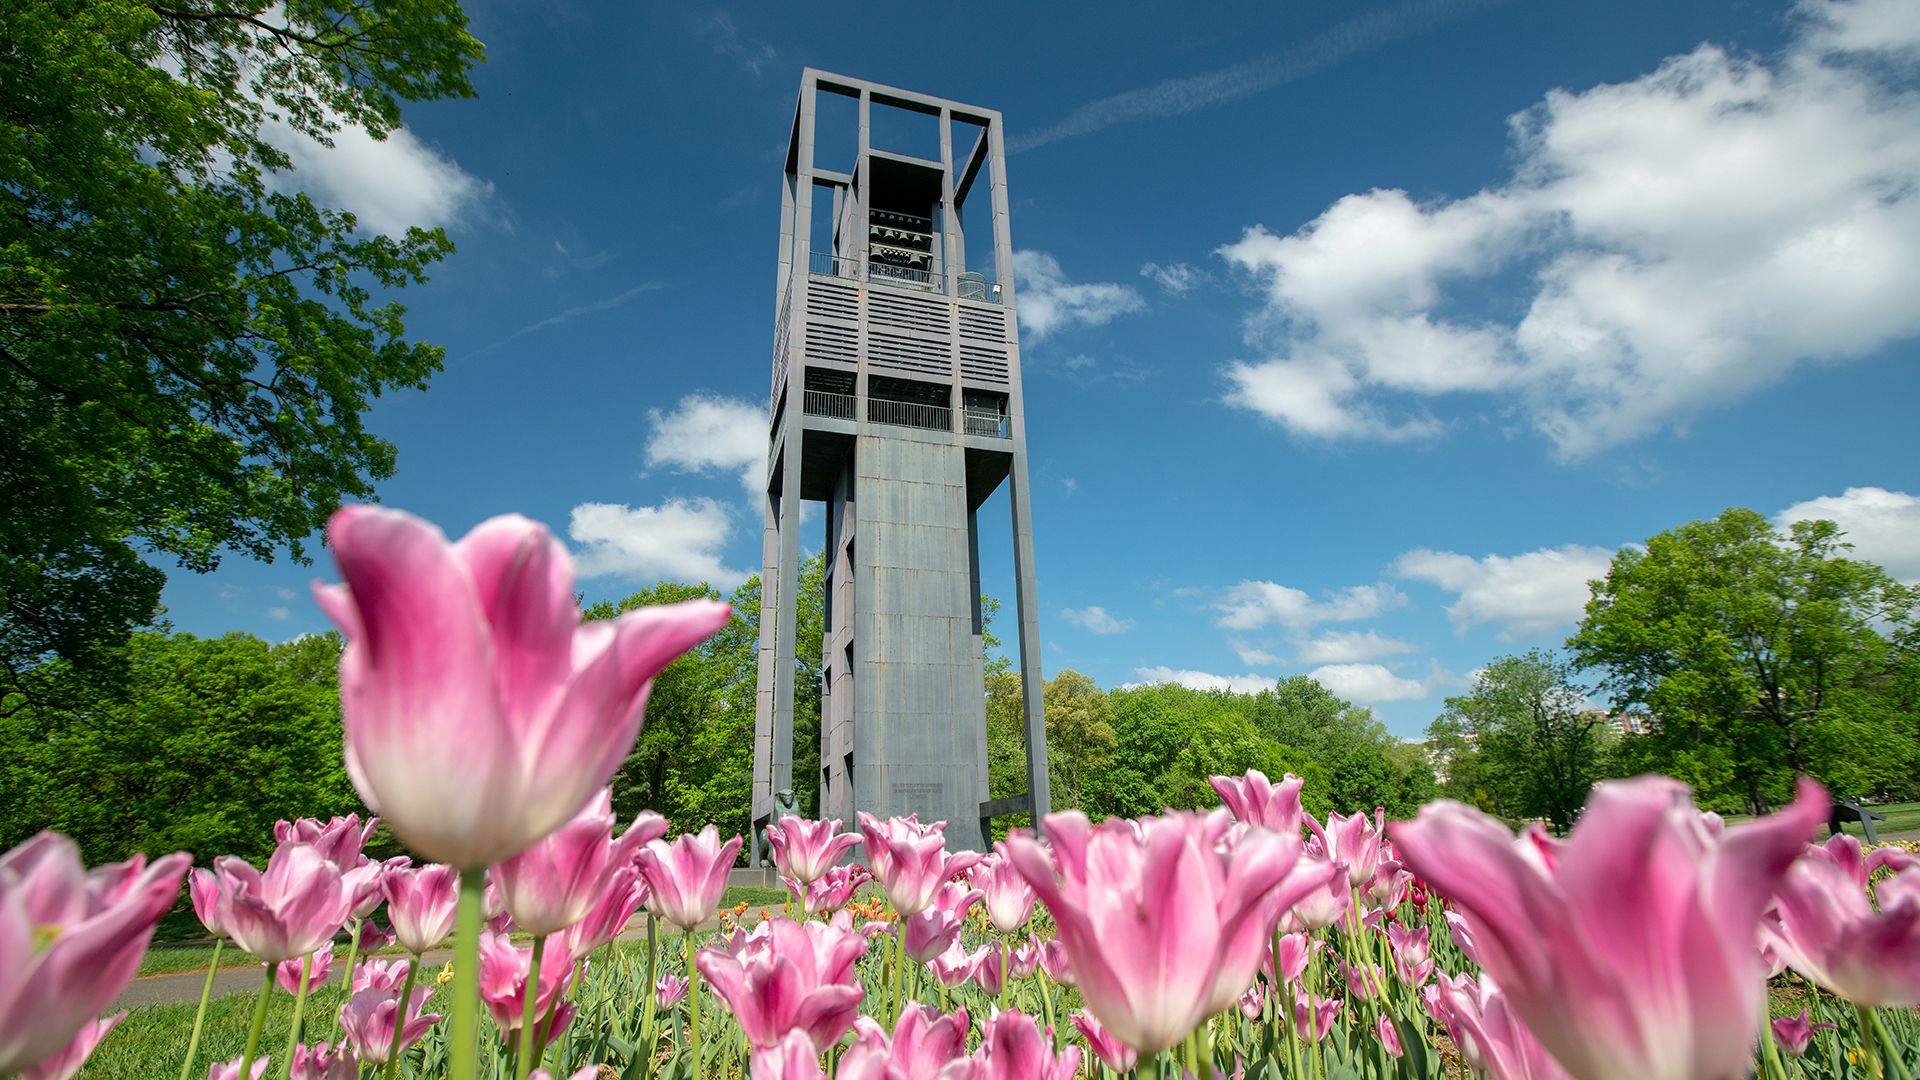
{"x":896,"y":402}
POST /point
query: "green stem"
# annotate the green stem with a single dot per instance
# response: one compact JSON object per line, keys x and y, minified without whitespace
{"x":346,"y":981}
{"x":1770,"y":1050}
{"x":200,"y":1017}
{"x":463,"y":1029}
{"x":259,"y":1021}
{"x":648,"y":1040}
{"x":1006,"y":974}
{"x":400,"y":1017}
{"x":900,"y":984}
{"x":693,"y":1003}
{"x":1893,"y":1049}
{"x":299,"y":1010}
{"x":528,"y":996}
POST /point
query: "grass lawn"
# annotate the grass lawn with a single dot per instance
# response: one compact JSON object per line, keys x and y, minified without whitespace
{"x":1901,"y":817}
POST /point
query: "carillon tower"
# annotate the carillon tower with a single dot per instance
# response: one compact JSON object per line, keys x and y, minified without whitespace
{"x":896,"y":402}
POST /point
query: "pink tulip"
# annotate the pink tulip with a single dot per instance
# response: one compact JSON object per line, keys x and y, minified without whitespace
{"x":230,"y":1070}
{"x":609,"y":916}
{"x":1012,"y":1047}
{"x":379,"y":975}
{"x":789,"y":975}
{"x":956,"y":966}
{"x":1354,"y":841}
{"x":1112,"y":1053}
{"x":373,"y":938}
{"x":1026,"y":958}
{"x":792,"y":1058}
{"x":367,"y":1019}
{"x":989,"y":967}
{"x":340,"y":840}
{"x":1410,"y":945}
{"x":503,"y":980}
{"x":1008,"y":896}
{"x":1388,"y":887}
{"x":287,"y":972}
{"x":290,"y":910}
{"x":554,"y":883}
{"x":366,"y":884}
{"x":1494,"y":1042}
{"x":927,"y":935}
{"x":924,"y":1044}
{"x":1253,"y":1001}
{"x":1162,"y":920}
{"x":1793,"y":1033}
{"x":421,"y":902}
{"x":70,"y":940}
{"x":1412,"y":974}
{"x":480,"y":714}
{"x":1055,"y":962}
{"x":1860,"y":864}
{"x":805,"y":850}
{"x":1828,"y":931}
{"x":1462,"y":933}
{"x":1259,"y":802}
{"x":1362,"y":979}
{"x":325,"y":1062}
{"x":910,"y":860}
{"x":1632,"y":955}
{"x":1389,"y":1036}
{"x":828,"y":893}
{"x":688,"y":877}
{"x":66,"y":1064}
{"x":203,"y":888}
{"x":1313,"y":1018}
{"x":670,"y":990}
{"x":1295,"y":950}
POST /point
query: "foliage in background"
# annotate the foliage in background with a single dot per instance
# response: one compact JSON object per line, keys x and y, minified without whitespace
{"x":1758,"y":655}
{"x":217,"y":738}
{"x":1521,"y":743}
{"x":186,"y":346}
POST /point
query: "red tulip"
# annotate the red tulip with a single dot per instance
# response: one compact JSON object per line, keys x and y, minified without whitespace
{"x":480,"y":713}
{"x":70,"y":940}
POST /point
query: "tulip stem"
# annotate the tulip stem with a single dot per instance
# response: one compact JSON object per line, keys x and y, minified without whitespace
{"x":259,"y":1021}
{"x":400,"y":1016}
{"x":528,"y":996}
{"x":1893,"y":1049}
{"x":299,"y":1008}
{"x":463,"y":1029}
{"x":693,"y":1003}
{"x":900,"y":985}
{"x":200,"y":1017}
{"x":346,"y":981}
{"x":648,"y":1039}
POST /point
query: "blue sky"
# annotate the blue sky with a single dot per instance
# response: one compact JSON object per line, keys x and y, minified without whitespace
{"x":1355,"y":337}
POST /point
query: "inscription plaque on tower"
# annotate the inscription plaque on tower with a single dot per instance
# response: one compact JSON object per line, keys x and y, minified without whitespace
{"x":896,"y":402}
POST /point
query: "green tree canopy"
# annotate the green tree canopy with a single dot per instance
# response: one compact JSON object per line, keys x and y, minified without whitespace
{"x":187,"y":346}
{"x":1758,"y":655}
{"x":1520,"y":743}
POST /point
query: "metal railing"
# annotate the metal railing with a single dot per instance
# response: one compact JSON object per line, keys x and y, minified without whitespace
{"x":825,"y":403}
{"x":910,"y":414}
{"x":968,"y":285}
{"x":987,"y":423}
{"x":821,"y":262}
{"x":903,"y":275}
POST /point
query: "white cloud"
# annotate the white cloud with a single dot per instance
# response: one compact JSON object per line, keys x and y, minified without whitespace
{"x":1201,"y":680}
{"x":1253,"y":654}
{"x":1049,"y":302}
{"x":1529,"y":595}
{"x":1883,"y":526}
{"x":1254,"y":604}
{"x":1177,"y":278}
{"x":711,"y":434}
{"x":284,"y":593}
{"x":279,"y":613}
{"x":1683,"y":238}
{"x":388,"y":183}
{"x":1096,"y":620}
{"x":1348,"y":646}
{"x":679,"y":540}
{"x":1367,"y":684}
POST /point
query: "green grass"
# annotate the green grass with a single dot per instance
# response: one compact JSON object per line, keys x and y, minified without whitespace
{"x":1901,"y":817}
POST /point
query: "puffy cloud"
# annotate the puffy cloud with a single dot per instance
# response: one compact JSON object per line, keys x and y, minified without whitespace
{"x":1251,"y":605}
{"x":1349,"y":646}
{"x":1367,"y":684}
{"x":711,"y":434}
{"x":1253,"y":654}
{"x":1883,"y":526}
{"x":1686,"y":238}
{"x":679,"y":540}
{"x":1049,"y":302}
{"x":1528,"y":595}
{"x":1201,"y":680}
{"x":388,"y":183}
{"x":1177,"y":278}
{"x":1096,"y":620}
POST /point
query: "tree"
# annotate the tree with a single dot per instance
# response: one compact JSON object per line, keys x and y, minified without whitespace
{"x":1520,"y":744}
{"x":1170,"y":739}
{"x":215,"y":739}
{"x":1758,"y":655}
{"x":1080,"y":738}
{"x":1359,"y":765}
{"x":186,"y":346}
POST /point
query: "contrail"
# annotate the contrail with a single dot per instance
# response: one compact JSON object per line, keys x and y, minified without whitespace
{"x":1176,"y":97}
